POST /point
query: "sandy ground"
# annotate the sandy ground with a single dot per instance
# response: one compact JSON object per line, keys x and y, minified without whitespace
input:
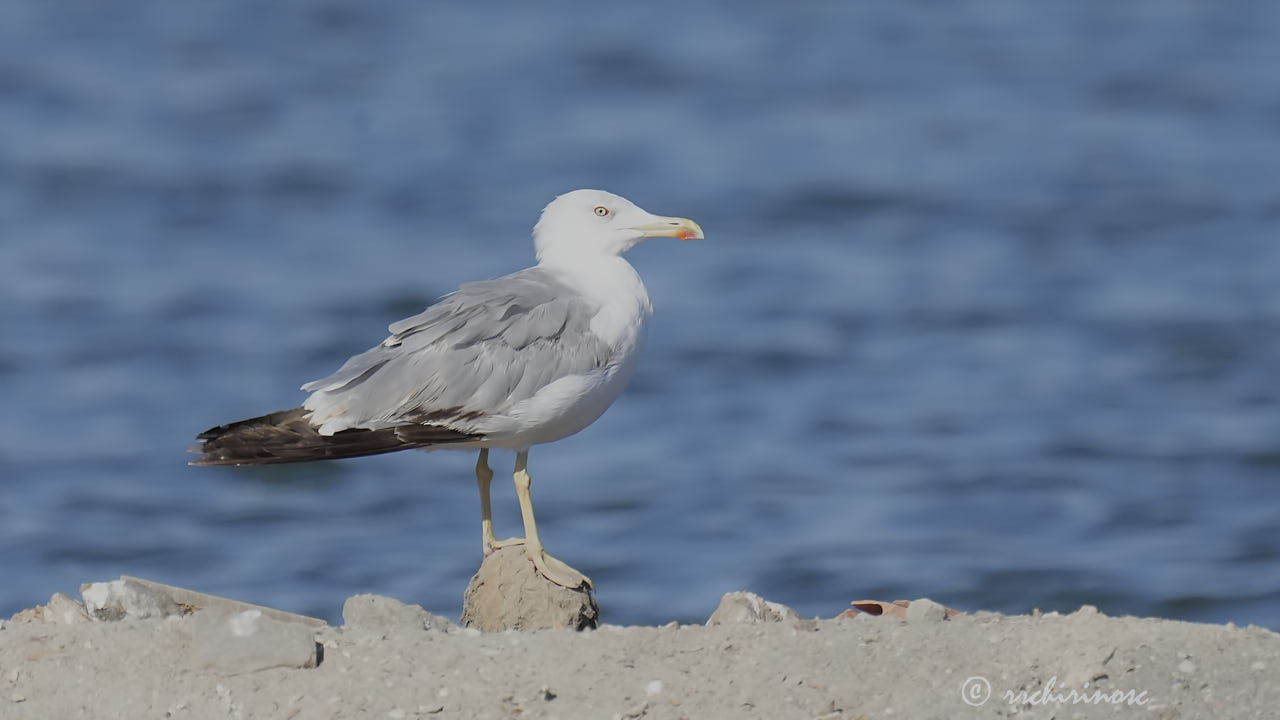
{"x":390,"y":660}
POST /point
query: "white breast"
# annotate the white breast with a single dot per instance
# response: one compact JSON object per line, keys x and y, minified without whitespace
{"x":570,"y":404}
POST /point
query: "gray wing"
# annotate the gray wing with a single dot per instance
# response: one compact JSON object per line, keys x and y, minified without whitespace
{"x":475,"y":353}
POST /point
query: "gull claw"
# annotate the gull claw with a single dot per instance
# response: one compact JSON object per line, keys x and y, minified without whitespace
{"x":491,"y":545}
{"x":557,"y":571}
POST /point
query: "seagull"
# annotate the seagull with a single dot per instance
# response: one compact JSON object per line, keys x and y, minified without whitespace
{"x":517,"y":361}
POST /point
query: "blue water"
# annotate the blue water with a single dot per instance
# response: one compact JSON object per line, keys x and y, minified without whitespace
{"x":987,"y":310}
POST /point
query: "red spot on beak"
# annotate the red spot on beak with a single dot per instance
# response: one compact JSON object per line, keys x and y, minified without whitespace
{"x":687,"y":235}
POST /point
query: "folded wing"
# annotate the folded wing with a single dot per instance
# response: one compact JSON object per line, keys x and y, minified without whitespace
{"x":470,"y":356}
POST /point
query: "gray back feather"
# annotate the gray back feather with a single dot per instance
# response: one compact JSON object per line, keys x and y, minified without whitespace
{"x":477,"y":352}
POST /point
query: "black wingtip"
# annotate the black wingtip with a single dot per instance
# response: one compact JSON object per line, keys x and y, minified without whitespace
{"x":288,"y":436}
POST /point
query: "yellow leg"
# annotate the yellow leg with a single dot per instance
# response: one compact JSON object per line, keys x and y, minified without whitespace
{"x":550,"y":568}
{"x":484,"y":476}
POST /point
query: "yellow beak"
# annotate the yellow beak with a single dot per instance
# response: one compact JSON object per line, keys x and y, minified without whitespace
{"x":676,"y":227}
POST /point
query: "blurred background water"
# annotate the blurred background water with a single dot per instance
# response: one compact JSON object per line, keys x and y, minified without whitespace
{"x":987,"y":311}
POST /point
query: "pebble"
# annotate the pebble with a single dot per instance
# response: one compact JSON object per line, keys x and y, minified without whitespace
{"x":925,"y":610}
{"x":396,"y":714}
{"x":65,"y":610}
{"x":653,"y":688}
{"x":375,"y":612}
{"x":748,"y":607}
{"x":1186,"y":667}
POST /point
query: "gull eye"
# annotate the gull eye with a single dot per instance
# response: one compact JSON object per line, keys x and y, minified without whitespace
{"x":602,"y":211}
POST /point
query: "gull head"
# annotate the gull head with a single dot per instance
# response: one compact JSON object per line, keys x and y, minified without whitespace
{"x":594,"y":222}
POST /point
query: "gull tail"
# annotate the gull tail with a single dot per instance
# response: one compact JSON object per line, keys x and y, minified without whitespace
{"x":288,"y":436}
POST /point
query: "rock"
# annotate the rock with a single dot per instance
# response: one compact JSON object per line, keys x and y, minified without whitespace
{"x":507,"y":593}
{"x":376,"y":612}
{"x":747,"y":607}
{"x":140,"y":598}
{"x":60,"y":610}
{"x":925,"y":610}
{"x":125,"y":597}
{"x":247,"y":640}
{"x":65,"y":610}
{"x":29,"y":615}
{"x":192,"y":600}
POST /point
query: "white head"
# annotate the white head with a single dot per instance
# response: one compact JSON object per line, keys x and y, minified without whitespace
{"x":595,"y":222}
